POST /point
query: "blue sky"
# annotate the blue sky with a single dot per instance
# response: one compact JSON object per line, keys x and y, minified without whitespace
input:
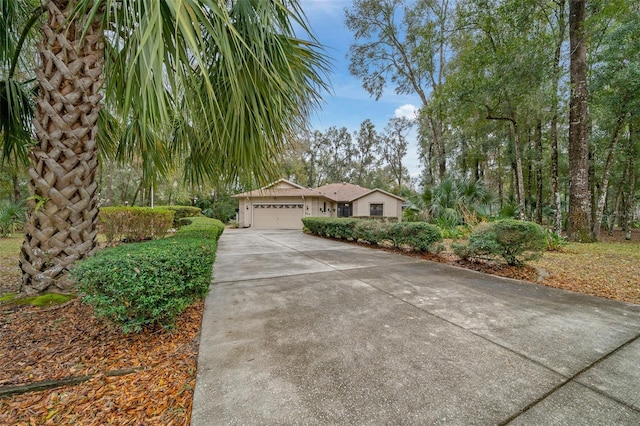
{"x":349,"y":104}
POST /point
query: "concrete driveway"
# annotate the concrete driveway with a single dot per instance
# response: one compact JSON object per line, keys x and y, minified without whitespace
{"x":302,"y":330}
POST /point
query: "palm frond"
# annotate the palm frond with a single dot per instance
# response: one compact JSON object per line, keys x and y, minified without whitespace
{"x":233,"y":73}
{"x":16,"y":112}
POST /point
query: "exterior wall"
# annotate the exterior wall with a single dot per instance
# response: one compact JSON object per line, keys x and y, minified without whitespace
{"x":315,"y":206}
{"x":246,"y":209}
{"x":244,"y":213}
{"x":392,"y":207}
{"x":318,"y":205}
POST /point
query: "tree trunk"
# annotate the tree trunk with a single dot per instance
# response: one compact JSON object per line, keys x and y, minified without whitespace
{"x":135,"y":195}
{"x":435,"y":126}
{"x":499,"y":177}
{"x":519,"y":175}
{"x":555,"y":180}
{"x":110,"y":184}
{"x":604,"y":184}
{"x":442,"y":156}
{"x":61,"y":225}
{"x":579,"y":226}
{"x":539,"y":194}
{"x":528,"y":189}
{"x":618,"y":200}
{"x":634,"y":136}
{"x":15,"y":182}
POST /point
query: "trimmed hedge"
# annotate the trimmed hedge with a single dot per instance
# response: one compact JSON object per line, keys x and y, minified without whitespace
{"x":513,"y":240}
{"x":334,"y":227}
{"x":134,"y":223}
{"x":419,"y":236}
{"x":372,"y":231}
{"x":151,"y":283}
{"x":180,"y":212}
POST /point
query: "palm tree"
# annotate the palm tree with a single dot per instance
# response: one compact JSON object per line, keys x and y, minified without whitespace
{"x":231,"y":72}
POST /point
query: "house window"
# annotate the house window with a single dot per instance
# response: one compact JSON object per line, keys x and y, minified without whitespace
{"x":344,"y":210}
{"x":375,"y":210}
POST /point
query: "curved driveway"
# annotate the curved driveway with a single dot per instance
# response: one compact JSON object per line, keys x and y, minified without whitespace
{"x":302,"y":330}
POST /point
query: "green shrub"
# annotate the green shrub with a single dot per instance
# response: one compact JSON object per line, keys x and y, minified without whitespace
{"x":371,"y":231}
{"x":12,"y":217}
{"x":200,"y":227}
{"x":180,"y":212}
{"x":335,"y":227}
{"x":513,"y":240}
{"x":555,"y":242}
{"x":457,"y":232}
{"x":151,"y":282}
{"x":420,"y":236}
{"x":134,"y":224}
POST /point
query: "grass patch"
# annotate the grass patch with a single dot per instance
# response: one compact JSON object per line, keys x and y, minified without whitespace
{"x":43,"y":300}
{"x":7,"y":297}
{"x":10,"y":273}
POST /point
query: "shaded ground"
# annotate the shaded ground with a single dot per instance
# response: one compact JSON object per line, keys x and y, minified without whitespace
{"x":68,"y":341}
{"x":9,"y":268}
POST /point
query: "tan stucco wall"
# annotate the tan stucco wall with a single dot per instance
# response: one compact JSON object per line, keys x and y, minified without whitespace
{"x":318,"y":207}
{"x":392,"y":207}
{"x":246,"y":210}
{"x":313,"y":206}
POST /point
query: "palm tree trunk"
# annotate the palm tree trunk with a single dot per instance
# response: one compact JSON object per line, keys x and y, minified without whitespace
{"x":61,"y":224}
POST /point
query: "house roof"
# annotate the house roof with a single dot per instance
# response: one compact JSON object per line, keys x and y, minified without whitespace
{"x":338,"y":192}
{"x":279,"y":188}
{"x":341,"y":191}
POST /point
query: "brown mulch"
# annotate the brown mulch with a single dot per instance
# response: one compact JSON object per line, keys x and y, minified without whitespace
{"x":69,"y":341}
{"x":525,"y":272}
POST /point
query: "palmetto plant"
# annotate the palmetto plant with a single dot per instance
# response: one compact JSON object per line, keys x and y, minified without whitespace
{"x":221,"y":83}
{"x":454,"y":202}
{"x":12,"y":215}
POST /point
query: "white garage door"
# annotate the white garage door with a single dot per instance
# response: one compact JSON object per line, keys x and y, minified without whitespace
{"x":277,"y":216}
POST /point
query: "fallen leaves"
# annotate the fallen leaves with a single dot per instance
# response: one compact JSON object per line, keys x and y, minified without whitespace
{"x":600,"y":269}
{"x":37,"y":344}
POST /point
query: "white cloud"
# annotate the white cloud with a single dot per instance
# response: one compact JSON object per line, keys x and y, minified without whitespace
{"x":408,"y":111}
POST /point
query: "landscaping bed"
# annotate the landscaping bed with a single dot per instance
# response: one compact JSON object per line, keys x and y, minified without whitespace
{"x":154,"y":370}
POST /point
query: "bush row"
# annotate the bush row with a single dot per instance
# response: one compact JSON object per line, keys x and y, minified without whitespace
{"x":419,"y":236}
{"x":151,"y":282}
{"x":511,"y":240}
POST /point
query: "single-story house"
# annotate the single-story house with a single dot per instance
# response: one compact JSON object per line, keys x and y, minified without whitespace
{"x":282,"y":204}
